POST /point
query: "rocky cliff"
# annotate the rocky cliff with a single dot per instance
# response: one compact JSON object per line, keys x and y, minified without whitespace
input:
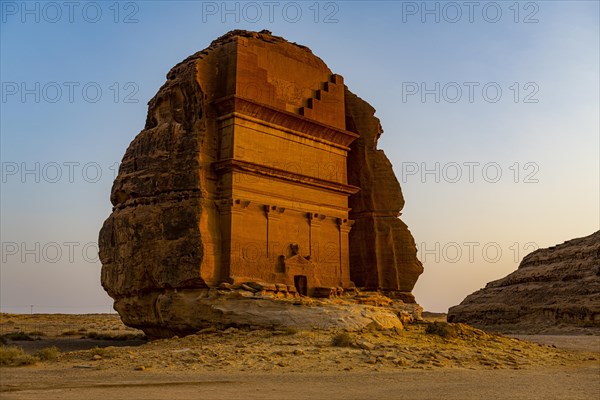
{"x":557,"y":286}
{"x":161,"y":242}
{"x":383,"y":254}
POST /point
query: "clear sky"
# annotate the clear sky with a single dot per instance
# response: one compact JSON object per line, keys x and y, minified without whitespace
{"x":490,"y":112}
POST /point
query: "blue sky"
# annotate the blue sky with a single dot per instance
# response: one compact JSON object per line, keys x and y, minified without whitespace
{"x":541,"y":134}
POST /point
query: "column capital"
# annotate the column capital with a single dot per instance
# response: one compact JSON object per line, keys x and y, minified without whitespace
{"x":315,"y":219}
{"x":344,"y":224}
{"x":273,"y":211}
{"x":232,"y":205}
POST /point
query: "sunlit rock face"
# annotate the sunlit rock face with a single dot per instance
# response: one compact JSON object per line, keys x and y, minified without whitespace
{"x":257,"y":166}
{"x":559,"y":285}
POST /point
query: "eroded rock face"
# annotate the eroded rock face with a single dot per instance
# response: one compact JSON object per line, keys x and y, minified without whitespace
{"x":151,"y":241}
{"x":383,"y":254}
{"x":188,"y":311}
{"x":559,"y":285}
{"x":252,"y":156}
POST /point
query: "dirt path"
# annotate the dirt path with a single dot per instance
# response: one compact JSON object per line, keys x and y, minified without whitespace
{"x":568,"y":342}
{"x":579,"y":382}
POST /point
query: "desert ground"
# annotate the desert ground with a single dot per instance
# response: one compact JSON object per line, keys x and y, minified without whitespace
{"x":96,"y":357}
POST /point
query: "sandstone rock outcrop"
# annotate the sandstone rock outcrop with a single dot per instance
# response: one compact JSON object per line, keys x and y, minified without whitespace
{"x":188,"y":311}
{"x":256,"y":165}
{"x":559,"y":285}
{"x":383,"y":253}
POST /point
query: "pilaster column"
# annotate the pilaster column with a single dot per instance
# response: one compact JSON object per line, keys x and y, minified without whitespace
{"x":231,"y":211}
{"x":344,"y":227}
{"x":314,"y":225}
{"x":273,"y":215}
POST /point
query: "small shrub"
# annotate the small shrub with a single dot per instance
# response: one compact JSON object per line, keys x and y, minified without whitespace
{"x":14,"y":356}
{"x":591,"y":324}
{"x":342,"y":340}
{"x":69,"y":333}
{"x":17,"y":336}
{"x":290,"y":330}
{"x":99,"y":351}
{"x":132,"y":336}
{"x":36,"y":333}
{"x":107,"y":336}
{"x":48,"y":353}
{"x":442,"y":329}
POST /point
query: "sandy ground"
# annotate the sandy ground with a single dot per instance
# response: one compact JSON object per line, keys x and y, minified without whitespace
{"x":569,"y":342}
{"x":579,"y":382}
{"x":235,"y":364}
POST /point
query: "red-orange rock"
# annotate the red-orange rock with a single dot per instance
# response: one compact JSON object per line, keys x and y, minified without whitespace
{"x":253,"y":166}
{"x":383,"y":254}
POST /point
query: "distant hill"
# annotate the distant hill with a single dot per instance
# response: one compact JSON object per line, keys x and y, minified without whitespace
{"x":553,"y":289}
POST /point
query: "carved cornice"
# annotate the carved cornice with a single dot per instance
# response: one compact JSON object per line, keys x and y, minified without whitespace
{"x":280,"y":174}
{"x":293,"y":123}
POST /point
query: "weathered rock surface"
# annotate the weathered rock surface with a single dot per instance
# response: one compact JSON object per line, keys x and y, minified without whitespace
{"x":245,"y":118}
{"x":559,"y":285}
{"x":188,"y":311}
{"x":383,"y":254}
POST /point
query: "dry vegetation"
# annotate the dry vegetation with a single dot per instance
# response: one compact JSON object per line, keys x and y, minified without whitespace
{"x":14,"y":356}
{"x":428,"y":345}
{"x":53,"y":325}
